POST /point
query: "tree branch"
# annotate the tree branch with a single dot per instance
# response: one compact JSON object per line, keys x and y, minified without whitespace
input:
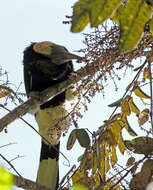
{"x":28,"y":184}
{"x":49,"y":93}
{"x":104,"y":64}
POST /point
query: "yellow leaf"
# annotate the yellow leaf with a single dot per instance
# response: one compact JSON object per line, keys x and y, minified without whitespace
{"x":113,"y":156}
{"x":128,"y":127}
{"x":133,"y":107}
{"x":138,"y":92}
{"x":108,"y":138}
{"x":107,"y":165}
{"x":86,"y":161}
{"x":77,"y":176}
{"x":121,"y":145}
{"x":125,"y":107}
{"x":95,"y":163}
{"x":102,"y":168}
{"x":109,"y":184}
{"x":79,"y":187}
{"x":116,"y":128}
{"x":97,"y":179}
{"x":85,"y":182}
{"x":6,"y":180}
{"x":117,"y":116}
{"x":146,"y":73}
{"x":5,"y":93}
{"x":151,"y":26}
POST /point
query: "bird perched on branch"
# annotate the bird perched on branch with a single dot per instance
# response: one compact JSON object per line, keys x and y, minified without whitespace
{"x":47,"y":64}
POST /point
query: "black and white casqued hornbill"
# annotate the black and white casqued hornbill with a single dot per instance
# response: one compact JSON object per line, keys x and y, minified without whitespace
{"x":47,"y":64}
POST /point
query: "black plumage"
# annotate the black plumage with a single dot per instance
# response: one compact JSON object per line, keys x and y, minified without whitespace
{"x":46,"y":64}
{"x":40,"y":73}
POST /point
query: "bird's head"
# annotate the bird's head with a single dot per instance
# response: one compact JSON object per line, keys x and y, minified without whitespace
{"x":58,"y":54}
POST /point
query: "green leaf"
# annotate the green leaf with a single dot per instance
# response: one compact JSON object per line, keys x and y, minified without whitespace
{"x":128,"y":127}
{"x":140,"y":93}
{"x":95,"y":11}
{"x":6,"y":180}
{"x":140,"y":145}
{"x":83,"y":137}
{"x":117,"y":13}
{"x":132,"y":20}
{"x":79,"y":187}
{"x":116,"y":103}
{"x":100,"y":10}
{"x":80,"y":16}
{"x":71,"y":139}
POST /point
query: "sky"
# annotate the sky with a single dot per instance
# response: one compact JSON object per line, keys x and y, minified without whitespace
{"x":23,"y":22}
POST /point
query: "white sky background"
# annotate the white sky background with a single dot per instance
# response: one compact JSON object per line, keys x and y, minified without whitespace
{"x":23,"y":22}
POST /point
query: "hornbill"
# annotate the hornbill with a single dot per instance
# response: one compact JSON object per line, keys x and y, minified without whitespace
{"x":46,"y":64}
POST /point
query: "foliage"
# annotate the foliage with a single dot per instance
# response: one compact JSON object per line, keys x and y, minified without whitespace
{"x":81,"y":135}
{"x":140,"y":145}
{"x":78,"y":187}
{"x":102,"y":156}
{"x":99,"y":167}
{"x":6,"y":180}
{"x":131,"y":16}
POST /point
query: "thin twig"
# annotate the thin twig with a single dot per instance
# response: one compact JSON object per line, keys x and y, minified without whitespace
{"x":137,"y":163}
{"x":129,"y":86}
{"x":13,"y":92}
{"x":46,"y":141}
{"x":18,"y":156}
{"x":39,"y":135}
{"x":7,"y":145}
{"x":66,"y":175}
{"x":10,"y":164}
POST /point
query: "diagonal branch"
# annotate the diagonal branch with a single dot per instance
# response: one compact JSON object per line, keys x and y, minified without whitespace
{"x":103,"y":63}
{"x":10,"y":164}
{"x":28,"y":184}
{"x":49,"y":93}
